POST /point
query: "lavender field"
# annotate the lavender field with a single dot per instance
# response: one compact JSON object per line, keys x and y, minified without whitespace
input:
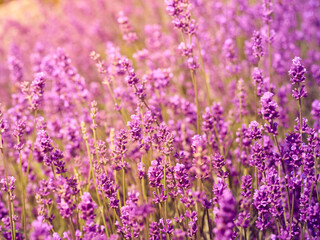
{"x":160,"y":119}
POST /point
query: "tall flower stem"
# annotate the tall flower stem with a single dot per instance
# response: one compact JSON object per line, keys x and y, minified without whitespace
{"x":195,"y":87}
{"x":85,"y":138}
{"x":165,"y":185}
{"x":23,"y":194}
{"x":30,"y":155}
{"x":123,"y":113}
{"x":118,"y":191}
{"x":206,"y":78}
{"x":292,"y":209}
{"x":11,"y":210}
{"x":123,"y":186}
{"x":284,"y":171}
{"x":269,"y":51}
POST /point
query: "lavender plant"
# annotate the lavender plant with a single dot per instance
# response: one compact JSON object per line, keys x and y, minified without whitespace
{"x":174,"y":119}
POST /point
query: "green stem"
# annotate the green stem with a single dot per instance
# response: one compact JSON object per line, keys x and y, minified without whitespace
{"x":123,"y":114}
{"x":11,"y":210}
{"x":23,"y":220}
{"x":123,"y":186}
{"x":208,"y":88}
{"x":96,"y":188}
{"x":165,"y":187}
{"x":144,"y":189}
{"x":292,"y":208}
{"x":118,"y":191}
{"x":284,"y":171}
{"x":194,"y":82}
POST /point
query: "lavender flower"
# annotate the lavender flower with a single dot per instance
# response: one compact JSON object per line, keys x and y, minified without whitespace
{"x":155,"y":174}
{"x":141,"y":169}
{"x":297,"y":71}
{"x":16,"y":69}
{"x":269,"y":112}
{"x":87,"y":207}
{"x":37,"y":90}
{"x":135,"y":127}
{"x":257,"y":44}
{"x":255,"y":132}
{"x":41,"y":229}
{"x":128,"y":34}
{"x":244,"y":216}
{"x":181,"y":176}
{"x":261,"y":202}
{"x":225,"y":216}
{"x":258,"y":80}
{"x":315,"y":112}
{"x":269,"y":109}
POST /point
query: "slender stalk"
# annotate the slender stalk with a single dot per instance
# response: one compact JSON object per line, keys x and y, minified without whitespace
{"x":269,"y":53}
{"x":210,"y":226}
{"x":165,"y":187}
{"x":302,"y":231}
{"x":30,"y":155}
{"x":85,"y":138}
{"x":118,"y":191}
{"x":73,"y":232}
{"x":123,"y":186}
{"x":95,"y":140}
{"x":123,"y":114}
{"x":11,"y":210}
{"x":284,"y":171}
{"x":13,"y":234}
{"x":144,"y":189}
{"x":194,"y":82}
{"x":24,"y":219}
{"x":147,"y":106}
{"x":207,"y":83}
{"x":292,"y":208}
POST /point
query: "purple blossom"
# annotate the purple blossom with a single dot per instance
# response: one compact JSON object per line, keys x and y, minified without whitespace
{"x":269,"y":108}
{"x":141,"y":169}
{"x":225,"y":215}
{"x":41,"y":229}
{"x":181,"y":176}
{"x":128,"y":34}
{"x":261,"y":202}
{"x":297,"y":71}
{"x":87,"y":206}
{"x":135,"y":128}
{"x":155,"y":174}
{"x":258,"y":80}
{"x":37,"y":90}
{"x":254,"y":131}
{"x":257,"y":44}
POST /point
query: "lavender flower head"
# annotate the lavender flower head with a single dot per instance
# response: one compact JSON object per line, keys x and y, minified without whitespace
{"x":41,"y":229}
{"x":155,"y":174}
{"x":297,"y":76}
{"x":297,"y":71}
{"x":37,"y":89}
{"x":181,"y":176}
{"x":87,"y":207}
{"x":269,"y":108}
{"x":258,"y":80}
{"x":135,"y":128}
{"x":257,"y":44}
{"x":128,"y":34}
{"x":315,"y":112}
{"x":141,"y":169}
{"x":254,"y":131}
{"x":225,"y":216}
